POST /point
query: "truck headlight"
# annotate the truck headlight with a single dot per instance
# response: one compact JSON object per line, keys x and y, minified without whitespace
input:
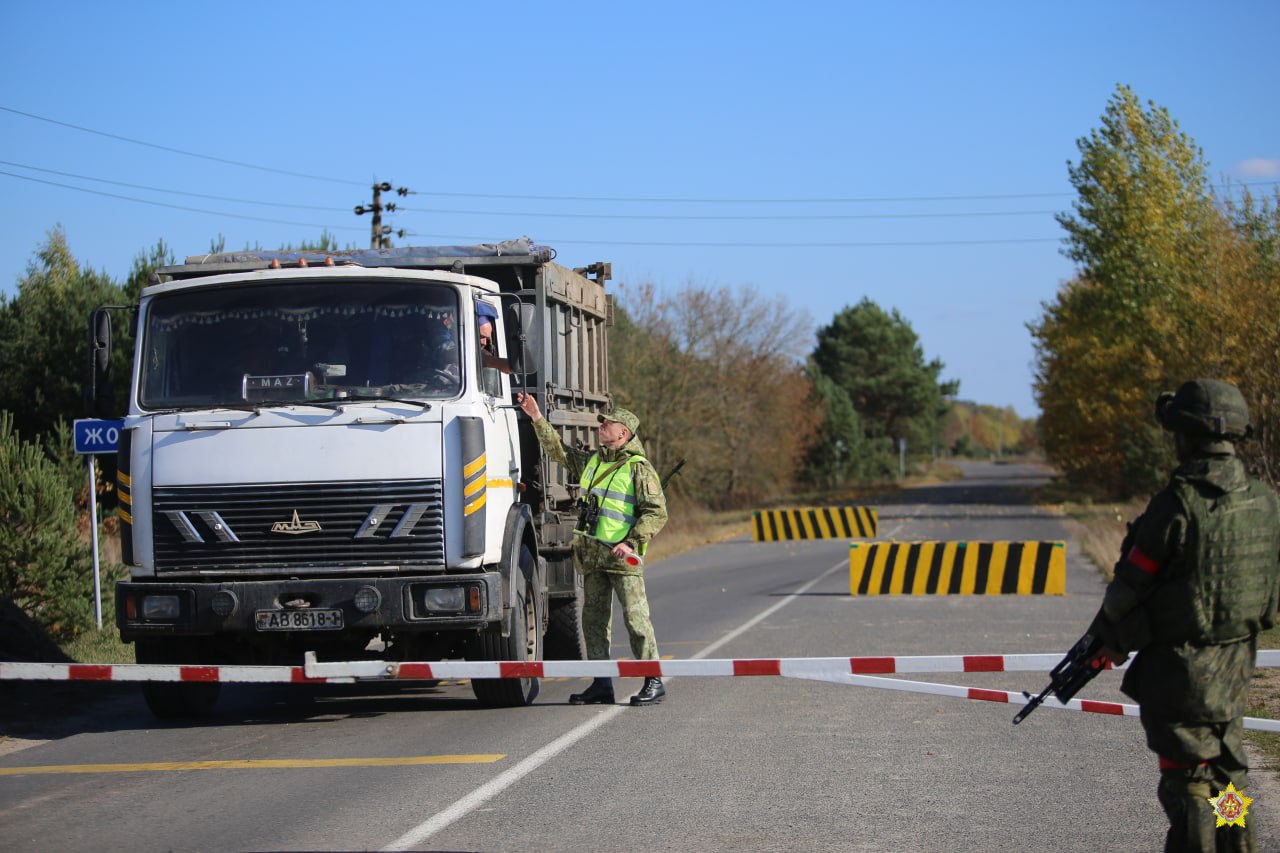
{"x":160,"y":607}
{"x":448,"y":599}
{"x":445,"y":599}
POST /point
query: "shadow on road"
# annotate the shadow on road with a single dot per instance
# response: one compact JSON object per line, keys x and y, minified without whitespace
{"x":98,"y":708}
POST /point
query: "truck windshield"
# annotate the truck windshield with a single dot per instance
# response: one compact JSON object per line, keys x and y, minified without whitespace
{"x":300,"y":341}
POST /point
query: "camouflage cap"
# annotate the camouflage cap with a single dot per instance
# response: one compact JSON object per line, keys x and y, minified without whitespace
{"x":621,"y":416}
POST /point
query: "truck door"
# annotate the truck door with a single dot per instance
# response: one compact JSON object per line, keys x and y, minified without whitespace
{"x":500,"y":431}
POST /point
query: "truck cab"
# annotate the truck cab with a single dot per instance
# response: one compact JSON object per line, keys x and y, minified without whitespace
{"x":319,"y":455}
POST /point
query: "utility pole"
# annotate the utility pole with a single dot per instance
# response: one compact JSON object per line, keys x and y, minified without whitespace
{"x":379,"y":237}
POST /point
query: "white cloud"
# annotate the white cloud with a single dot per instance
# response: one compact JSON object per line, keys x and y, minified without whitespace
{"x":1258,"y":167}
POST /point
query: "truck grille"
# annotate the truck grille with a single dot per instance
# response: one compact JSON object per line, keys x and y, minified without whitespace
{"x":316,"y":528}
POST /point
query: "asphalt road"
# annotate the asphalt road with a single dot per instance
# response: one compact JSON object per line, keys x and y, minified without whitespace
{"x":723,"y":764}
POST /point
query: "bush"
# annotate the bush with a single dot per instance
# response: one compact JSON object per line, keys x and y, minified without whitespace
{"x":45,"y":564}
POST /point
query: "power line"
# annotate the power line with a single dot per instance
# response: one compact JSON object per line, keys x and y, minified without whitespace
{"x":735,"y":218}
{"x":224,"y":160}
{"x":476,"y":239}
{"x":759,"y":244}
{"x":171,"y":192}
{"x":642,"y":199}
{"x":179,"y":206}
{"x":808,"y":200}
{"x":743,"y":200}
{"x":579,"y":198}
{"x":532,"y":214}
{"x":548,"y":215}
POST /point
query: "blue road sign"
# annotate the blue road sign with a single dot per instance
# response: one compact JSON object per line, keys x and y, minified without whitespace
{"x":94,"y":435}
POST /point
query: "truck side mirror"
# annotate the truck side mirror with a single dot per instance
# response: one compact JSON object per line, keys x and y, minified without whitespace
{"x":98,"y":393}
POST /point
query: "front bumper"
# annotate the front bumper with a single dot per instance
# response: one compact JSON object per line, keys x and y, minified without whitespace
{"x":180,"y":608}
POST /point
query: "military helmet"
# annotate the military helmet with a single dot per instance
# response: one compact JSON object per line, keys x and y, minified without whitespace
{"x":1205,"y":408}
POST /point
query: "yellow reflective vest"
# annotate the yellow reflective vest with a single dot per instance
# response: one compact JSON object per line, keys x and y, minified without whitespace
{"x":614,"y":486}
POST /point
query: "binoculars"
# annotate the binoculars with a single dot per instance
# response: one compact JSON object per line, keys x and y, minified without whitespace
{"x":588,"y":514}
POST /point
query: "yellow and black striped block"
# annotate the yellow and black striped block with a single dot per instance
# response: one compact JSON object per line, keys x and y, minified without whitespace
{"x":957,"y":568}
{"x":831,"y":522}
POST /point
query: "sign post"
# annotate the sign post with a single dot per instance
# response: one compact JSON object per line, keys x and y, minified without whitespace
{"x":94,"y":436}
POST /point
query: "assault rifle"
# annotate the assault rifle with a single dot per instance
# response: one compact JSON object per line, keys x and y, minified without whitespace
{"x":1083,"y":662}
{"x":1073,"y":672}
{"x":672,"y":473}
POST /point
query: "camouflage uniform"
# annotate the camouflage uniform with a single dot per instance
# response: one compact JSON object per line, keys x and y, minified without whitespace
{"x":1199,"y":577}
{"x":605,"y":575}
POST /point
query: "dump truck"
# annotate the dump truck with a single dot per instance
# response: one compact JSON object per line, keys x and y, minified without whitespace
{"x":320,"y":454}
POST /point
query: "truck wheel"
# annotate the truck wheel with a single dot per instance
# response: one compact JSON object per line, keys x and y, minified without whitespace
{"x":169,"y":700}
{"x":564,"y":631}
{"x":524,"y":644}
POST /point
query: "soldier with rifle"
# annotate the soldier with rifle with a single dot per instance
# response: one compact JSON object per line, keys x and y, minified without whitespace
{"x":1198,"y":578}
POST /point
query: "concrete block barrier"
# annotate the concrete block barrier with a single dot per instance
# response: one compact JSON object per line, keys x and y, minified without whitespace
{"x":957,"y":568}
{"x":832,"y":522}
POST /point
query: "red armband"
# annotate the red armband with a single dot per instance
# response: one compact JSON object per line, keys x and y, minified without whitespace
{"x":1142,"y":561}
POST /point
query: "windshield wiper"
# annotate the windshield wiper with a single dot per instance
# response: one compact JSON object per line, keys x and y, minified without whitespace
{"x":368,"y":398}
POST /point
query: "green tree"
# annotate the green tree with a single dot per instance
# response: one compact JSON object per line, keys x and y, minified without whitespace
{"x":842,"y":453}
{"x":876,"y":359}
{"x":144,"y":266}
{"x":976,"y":429}
{"x":44,"y":339}
{"x":1239,"y":302}
{"x":327,"y":243}
{"x":1141,"y":232}
{"x":44,"y":561}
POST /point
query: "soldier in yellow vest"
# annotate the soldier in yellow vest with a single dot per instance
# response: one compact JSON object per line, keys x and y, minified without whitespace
{"x":623,"y":508}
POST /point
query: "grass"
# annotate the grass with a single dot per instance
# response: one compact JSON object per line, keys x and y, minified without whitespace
{"x":692,"y":526}
{"x":103,"y":646}
{"x":1264,"y":701}
{"x":1100,"y":529}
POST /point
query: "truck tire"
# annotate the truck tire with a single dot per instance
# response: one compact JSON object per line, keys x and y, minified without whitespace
{"x":169,"y":700}
{"x":524,"y":644}
{"x":564,"y":631}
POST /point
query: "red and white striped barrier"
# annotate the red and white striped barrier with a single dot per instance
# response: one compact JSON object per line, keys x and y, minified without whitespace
{"x":785,"y":667}
{"x":855,"y":671}
{"x":157,"y":672}
{"x":315,"y":671}
{"x":1013,"y":697}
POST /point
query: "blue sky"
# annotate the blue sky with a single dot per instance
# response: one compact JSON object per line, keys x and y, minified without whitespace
{"x":912,"y":153}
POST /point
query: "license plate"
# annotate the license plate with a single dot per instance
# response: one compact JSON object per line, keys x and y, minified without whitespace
{"x":299,"y":620}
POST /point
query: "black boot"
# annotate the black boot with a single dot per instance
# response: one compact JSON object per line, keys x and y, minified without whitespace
{"x":599,"y":693}
{"x":651,"y":693}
